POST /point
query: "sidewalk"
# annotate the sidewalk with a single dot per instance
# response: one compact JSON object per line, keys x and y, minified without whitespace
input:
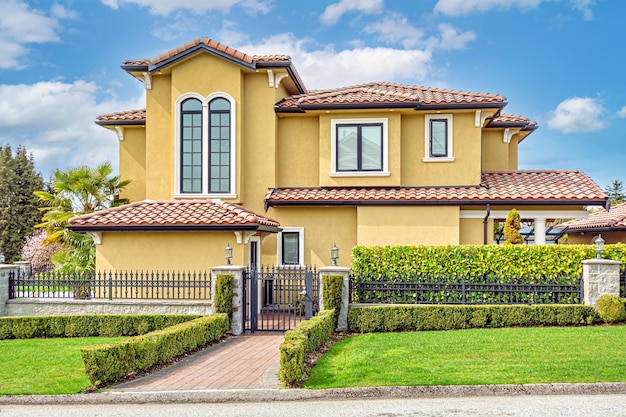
{"x":249,"y":361}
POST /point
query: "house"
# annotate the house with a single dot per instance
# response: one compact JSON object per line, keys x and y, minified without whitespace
{"x":233,"y":149}
{"x":610,"y":224}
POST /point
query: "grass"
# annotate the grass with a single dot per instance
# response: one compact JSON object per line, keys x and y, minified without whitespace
{"x":475,"y":357}
{"x":45,"y":366}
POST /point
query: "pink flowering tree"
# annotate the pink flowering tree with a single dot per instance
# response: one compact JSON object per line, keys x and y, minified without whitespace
{"x":38,"y":253}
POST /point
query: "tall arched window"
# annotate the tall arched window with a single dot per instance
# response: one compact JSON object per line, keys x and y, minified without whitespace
{"x":219,"y":146}
{"x":191,"y":146}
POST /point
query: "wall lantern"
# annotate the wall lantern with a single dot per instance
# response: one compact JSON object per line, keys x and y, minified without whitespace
{"x":334,"y":254}
{"x":228,"y":253}
{"x":599,"y":247}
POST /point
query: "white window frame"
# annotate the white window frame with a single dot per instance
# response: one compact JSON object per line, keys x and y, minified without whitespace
{"x":205,"y":145}
{"x":279,"y":246}
{"x":449,"y":142}
{"x":333,"y":148}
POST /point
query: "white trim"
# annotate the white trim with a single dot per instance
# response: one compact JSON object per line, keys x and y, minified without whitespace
{"x":119,"y":130}
{"x":97,"y":237}
{"x":205,"y":145}
{"x":279,"y":245}
{"x":508,"y":134}
{"x":333,"y":148}
{"x":525,"y":214}
{"x":449,"y":142}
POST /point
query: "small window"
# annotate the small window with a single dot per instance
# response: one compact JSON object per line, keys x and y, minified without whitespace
{"x":360,"y":147}
{"x":438,"y":138}
{"x":291,"y":246}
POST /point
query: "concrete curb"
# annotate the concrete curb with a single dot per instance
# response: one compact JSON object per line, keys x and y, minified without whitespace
{"x":267,"y":395}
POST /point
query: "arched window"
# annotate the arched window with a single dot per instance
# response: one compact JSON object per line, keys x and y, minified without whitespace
{"x":191,"y":146}
{"x":219,"y":146}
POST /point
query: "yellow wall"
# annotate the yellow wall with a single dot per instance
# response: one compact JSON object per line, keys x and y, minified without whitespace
{"x":405,"y":225}
{"x":166,"y":251}
{"x":472,"y":232}
{"x":574,"y":238}
{"x":298,"y":152}
{"x":133,"y":163}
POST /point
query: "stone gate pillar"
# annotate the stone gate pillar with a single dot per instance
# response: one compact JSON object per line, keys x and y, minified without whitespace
{"x":4,"y":285}
{"x":342,"y":319}
{"x":236,"y":321}
{"x":600,"y":276}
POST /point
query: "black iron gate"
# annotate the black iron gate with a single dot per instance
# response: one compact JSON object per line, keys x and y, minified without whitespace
{"x":277,"y":298}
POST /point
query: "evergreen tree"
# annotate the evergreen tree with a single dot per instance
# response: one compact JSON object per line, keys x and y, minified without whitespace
{"x":511,"y":228}
{"x":615,"y":192}
{"x":19,"y":207}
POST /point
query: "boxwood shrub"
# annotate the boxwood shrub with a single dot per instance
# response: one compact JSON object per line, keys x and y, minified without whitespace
{"x":109,"y":363}
{"x":366,"y":319}
{"x":308,"y":336}
{"x":107,"y":325}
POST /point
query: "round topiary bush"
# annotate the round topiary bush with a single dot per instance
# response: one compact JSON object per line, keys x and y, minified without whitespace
{"x":610,"y":308}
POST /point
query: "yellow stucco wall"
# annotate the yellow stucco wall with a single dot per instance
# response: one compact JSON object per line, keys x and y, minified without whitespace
{"x":132,"y":157}
{"x":472,"y":232}
{"x":405,"y":225}
{"x":171,"y":251}
{"x":574,"y":238}
{"x":298,"y":152}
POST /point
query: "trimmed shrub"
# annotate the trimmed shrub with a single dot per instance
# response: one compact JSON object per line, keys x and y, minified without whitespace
{"x":224,"y":294}
{"x":610,"y":308}
{"x":332,"y":288}
{"x":87,"y":325}
{"x":366,"y":319}
{"x":307,"y":337}
{"x":109,"y":363}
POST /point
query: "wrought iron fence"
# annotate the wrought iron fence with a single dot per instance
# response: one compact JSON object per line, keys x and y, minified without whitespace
{"x":622,"y":284}
{"x":162,"y":285}
{"x":487,"y":289}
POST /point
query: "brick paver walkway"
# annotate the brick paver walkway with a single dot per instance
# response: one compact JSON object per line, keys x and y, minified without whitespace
{"x":249,"y":361}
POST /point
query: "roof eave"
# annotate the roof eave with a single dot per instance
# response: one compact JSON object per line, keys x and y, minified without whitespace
{"x":195,"y":49}
{"x":452,"y":106}
{"x":175,"y":228}
{"x":105,"y":123}
{"x":446,"y":202}
{"x":291,"y":70}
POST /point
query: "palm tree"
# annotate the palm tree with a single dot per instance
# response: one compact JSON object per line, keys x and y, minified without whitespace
{"x":74,"y":192}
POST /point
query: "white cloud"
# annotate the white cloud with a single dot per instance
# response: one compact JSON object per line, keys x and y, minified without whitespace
{"x":464,"y":7}
{"x":20,"y":25}
{"x":55,"y":121}
{"x":622,"y":112}
{"x":578,"y":114}
{"x":178,"y":27}
{"x":450,"y":38}
{"x":585,"y":7}
{"x":165,"y":7}
{"x":333,"y":13}
{"x":395,"y":28}
{"x":328,"y":68}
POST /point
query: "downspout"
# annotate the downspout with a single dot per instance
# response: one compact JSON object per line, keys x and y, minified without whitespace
{"x":485,"y":224}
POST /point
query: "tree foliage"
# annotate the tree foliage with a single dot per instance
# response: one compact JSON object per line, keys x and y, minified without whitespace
{"x":616,"y":193}
{"x":512,"y":225}
{"x":74,"y":192}
{"x":38,"y":254}
{"x":19,"y":208}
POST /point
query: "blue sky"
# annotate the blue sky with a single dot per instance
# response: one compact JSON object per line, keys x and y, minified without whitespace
{"x":559,"y":62}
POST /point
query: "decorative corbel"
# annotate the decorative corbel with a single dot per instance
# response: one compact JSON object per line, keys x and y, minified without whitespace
{"x":477,"y":119}
{"x":97,"y":237}
{"x":280,"y":77}
{"x":244,"y":237}
{"x":120,"y":133}
{"x":147,"y":80}
{"x":508,"y":134}
{"x":480,"y":117}
{"x":270,"y":76}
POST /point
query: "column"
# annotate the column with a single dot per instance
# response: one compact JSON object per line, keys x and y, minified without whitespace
{"x":4,"y":285}
{"x":342,"y":320}
{"x":236,"y":321}
{"x":600,"y":276}
{"x":540,"y":231}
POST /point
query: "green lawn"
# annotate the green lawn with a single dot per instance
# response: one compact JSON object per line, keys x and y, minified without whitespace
{"x":45,"y":366}
{"x":475,"y":357}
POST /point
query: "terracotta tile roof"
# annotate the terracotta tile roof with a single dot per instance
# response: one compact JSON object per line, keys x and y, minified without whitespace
{"x":123,"y":116}
{"x":504,"y":187}
{"x":173,"y":214}
{"x":504,"y":120}
{"x":385,"y":92}
{"x":614,"y":219}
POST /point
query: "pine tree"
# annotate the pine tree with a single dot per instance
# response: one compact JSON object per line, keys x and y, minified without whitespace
{"x":511,"y":228}
{"x":19,"y":207}
{"x":615,"y":192}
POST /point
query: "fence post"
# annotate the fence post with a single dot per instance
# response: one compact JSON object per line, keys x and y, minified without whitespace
{"x":600,"y":276}
{"x":4,"y":285}
{"x":342,"y":319}
{"x":236,"y":321}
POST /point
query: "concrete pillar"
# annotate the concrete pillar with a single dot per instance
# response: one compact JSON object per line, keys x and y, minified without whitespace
{"x":540,"y":231}
{"x":4,"y":285}
{"x":342,"y":320}
{"x":236,"y":321}
{"x":600,"y":276}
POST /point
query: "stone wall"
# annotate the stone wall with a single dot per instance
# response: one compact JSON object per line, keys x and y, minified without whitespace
{"x":60,"y":307}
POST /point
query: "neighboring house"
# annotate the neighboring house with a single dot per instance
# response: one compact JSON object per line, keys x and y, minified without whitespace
{"x":610,"y":224}
{"x":233,"y":148}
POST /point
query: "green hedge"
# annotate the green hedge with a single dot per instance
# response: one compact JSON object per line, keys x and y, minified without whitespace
{"x":331,"y":295}
{"x":224,"y":294}
{"x":366,"y":319}
{"x":522,"y":260}
{"x":108,"y":363}
{"x":87,"y":325}
{"x":308,"y":336}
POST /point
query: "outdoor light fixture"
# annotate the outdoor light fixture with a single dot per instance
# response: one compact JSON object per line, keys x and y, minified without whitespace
{"x":334,"y":254}
{"x":228,"y":253}
{"x":599,"y":247}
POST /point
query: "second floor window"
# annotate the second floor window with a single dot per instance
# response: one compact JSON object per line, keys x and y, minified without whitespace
{"x":438,"y":138}
{"x":359,"y":147}
{"x":191,"y":146}
{"x":219,"y":146}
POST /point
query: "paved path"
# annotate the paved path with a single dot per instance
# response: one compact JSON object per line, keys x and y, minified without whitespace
{"x":249,"y":361}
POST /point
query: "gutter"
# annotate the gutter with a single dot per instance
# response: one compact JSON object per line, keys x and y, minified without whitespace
{"x":175,"y":228}
{"x":304,"y":203}
{"x":120,"y":122}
